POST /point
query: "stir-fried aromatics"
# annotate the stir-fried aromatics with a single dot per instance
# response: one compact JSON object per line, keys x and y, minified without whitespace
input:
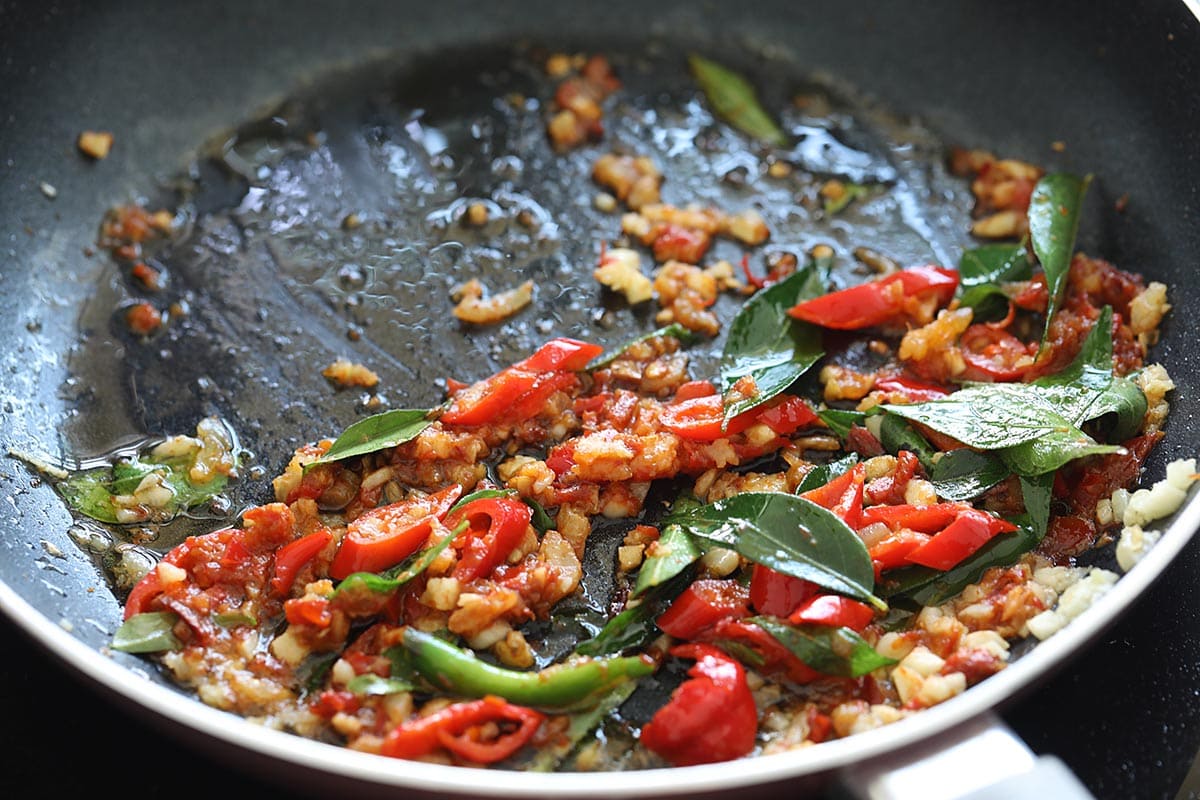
{"x":823,"y":566}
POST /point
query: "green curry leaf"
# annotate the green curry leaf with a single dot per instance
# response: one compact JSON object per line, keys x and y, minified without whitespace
{"x":769,"y":346}
{"x":1054,"y":210}
{"x":789,"y":534}
{"x":148,"y":632}
{"x":377,"y":432}
{"x":734,"y":100}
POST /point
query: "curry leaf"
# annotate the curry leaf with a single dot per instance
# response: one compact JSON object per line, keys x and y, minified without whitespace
{"x":634,"y":626}
{"x":377,"y":432}
{"x":734,"y":99}
{"x":769,"y":346}
{"x":559,"y":748}
{"x":93,"y":492}
{"x":983,"y":270}
{"x":1036,"y":492}
{"x":833,"y":651}
{"x":1051,"y":451}
{"x":1087,"y":389}
{"x":674,"y":330}
{"x":964,"y":474}
{"x":1054,"y":210}
{"x":790,"y":535}
{"x":896,"y":434}
{"x":670,"y":555}
{"x":822,"y":474}
{"x":149,"y":632}
{"x":841,"y":420}
{"x":1017,"y":420}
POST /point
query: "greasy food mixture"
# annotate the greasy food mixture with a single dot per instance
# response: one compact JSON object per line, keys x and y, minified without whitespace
{"x":885,"y":488}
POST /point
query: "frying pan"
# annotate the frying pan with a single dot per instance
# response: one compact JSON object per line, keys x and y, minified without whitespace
{"x":1113,"y":81}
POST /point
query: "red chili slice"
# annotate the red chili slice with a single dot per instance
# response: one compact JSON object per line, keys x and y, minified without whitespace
{"x":496,"y":526}
{"x":709,"y":718}
{"x":385,"y":536}
{"x":461,"y":728}
{"x":702,"y":605}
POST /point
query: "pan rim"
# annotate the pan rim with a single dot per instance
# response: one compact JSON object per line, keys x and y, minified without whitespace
{"x":194,"y":716}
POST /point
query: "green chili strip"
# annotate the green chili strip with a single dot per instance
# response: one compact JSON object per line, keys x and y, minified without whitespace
{"x":573,"y":684}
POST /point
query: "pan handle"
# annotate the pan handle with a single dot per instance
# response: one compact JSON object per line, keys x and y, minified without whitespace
{"x":979,"y":760}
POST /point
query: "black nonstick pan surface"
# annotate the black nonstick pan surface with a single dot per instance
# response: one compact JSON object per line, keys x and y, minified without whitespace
{"x":1115,"y":83}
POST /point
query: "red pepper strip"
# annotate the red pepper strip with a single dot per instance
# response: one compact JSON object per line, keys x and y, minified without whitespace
{"x":914,"y":390}
{"x":819,"y":725}
{"x":877,"y":302}
{"x":143,"y":592}
{"x":385,"y":536}
{"x":459,"y":728}
{"x":970,"y":530}
{"x":496,"y":526}
{"x":700,"y":418}
{"x":292,"y":557}
{"x":843,"y":495}
{"x":496,"y":397}
{"x":702,"y":605}
{"x":994,"y":355}
{"x":833,"y":610}
{"x":709,"y":718}
{"x":892,"y":550}
{"x":926,"y":519}
{"x":773,"y":657}
{"x":776,"y":594}
{"x":561,"y":354}
{"x":787,"y":415}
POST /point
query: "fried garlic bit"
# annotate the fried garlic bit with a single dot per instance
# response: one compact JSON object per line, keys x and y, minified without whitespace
{"x":473,"y":307}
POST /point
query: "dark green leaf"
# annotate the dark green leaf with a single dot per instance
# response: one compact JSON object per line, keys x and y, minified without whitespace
{"x":822,"y":474}
{"x":1054,"y":210}
{"x":377,"y":432}
{"x":964,"y":474}
{"x":984,"y":270}
{"x":734,"y":99}
{"x":994,"y":264}
{"x":541,"y":520}
{"x":1017,"y":420}
{"x":1087,"y":389}
{"x":1036,"y":493}
{"x":670,"y":555}
{"x":559,"y":748}
{"x":930,"y":587}
{"x":895,"y":434}
{"x":768,"y":345}
{"x":1051,"y":451}
{"x":840,"y":420}
{"x":674,"y":330}
{"x":790,"y":535}
{"x":371,"y":684}
{"x":149,"y":632}
{"x":634,"y":627}
{"x":833,"y":651}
